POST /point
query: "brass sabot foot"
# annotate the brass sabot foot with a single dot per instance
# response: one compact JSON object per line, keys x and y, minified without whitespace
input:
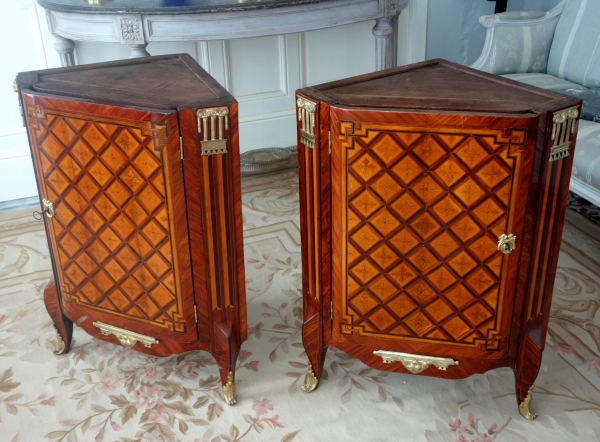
{"x":229,"y":392}
{"x":59,"y":347}
{"x":524,"y":406}
{"x":311,"y":381}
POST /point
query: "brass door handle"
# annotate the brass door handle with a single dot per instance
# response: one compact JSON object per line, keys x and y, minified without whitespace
{"x":507,"y":243}
{"x":48,"y":210}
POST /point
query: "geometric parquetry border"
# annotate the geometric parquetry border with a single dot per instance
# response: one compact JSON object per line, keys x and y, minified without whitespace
{"x":154,"y":272}
{"x":502,"y":145}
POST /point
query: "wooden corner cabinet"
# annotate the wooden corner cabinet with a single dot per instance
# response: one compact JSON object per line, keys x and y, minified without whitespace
{"x":137,"y":164}
{"x":432,"y":205}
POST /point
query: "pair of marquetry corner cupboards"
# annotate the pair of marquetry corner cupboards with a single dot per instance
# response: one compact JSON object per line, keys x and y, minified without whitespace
{"x":432,"y":200}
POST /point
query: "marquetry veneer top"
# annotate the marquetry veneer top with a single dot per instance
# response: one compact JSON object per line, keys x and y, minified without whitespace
{"x":163,"y":82}
{"x":434,"y":85}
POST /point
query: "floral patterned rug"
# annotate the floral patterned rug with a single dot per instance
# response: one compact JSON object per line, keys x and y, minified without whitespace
{"x":100,"y":392}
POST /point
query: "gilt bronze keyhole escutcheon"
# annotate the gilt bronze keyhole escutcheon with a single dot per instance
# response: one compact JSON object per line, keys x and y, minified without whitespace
{"x":507,"y":243}
{"x":48,"y":210}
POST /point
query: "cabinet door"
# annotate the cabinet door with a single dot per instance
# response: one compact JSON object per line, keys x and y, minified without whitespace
{"x":119,"y":234}
{"x":419,"y":202}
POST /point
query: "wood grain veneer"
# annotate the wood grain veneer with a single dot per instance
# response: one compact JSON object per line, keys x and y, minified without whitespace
{"x":146,"y":234}
{"x":414,"y":175}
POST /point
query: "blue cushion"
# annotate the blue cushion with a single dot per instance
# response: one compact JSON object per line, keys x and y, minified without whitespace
{"x":586,"y":160}
{"x":591,"y":102}
{"x":519,"y":47}
{"x":575,"y":51}
{"x":545,"y":81}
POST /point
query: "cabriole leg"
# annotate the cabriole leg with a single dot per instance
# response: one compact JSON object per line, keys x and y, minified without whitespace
{"x":227,"y":348}
{"x":526,"y":372}
{"x":313,"y":345}
{"x":63,"y":326}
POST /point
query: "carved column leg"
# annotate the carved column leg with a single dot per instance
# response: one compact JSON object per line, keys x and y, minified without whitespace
{"x":312,"y":338}
{"x":384,"y":32}
{"x":65,"y":48}
{"x":138,"y":51}
{"x":63,"y":326}
{"x":227,"y":348}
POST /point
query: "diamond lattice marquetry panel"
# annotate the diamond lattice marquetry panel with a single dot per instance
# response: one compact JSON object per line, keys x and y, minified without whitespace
{"x":469,"y":192}
{"x":425,"y":225}
{"x":406,"y":206}
{"x":444,"y":245}
{"x":384,"y":257}
{"x":407,"y":169}
{"x":366,"y":203}
{"x":110,"y":189}
{"x":488,"y":212}
{"x":387,"y":148}
{"x":422,"y":216}
{"x":386,"y":187}
{"x":366,"y":237}
{"x":384,"y":222}
{"x":447,"y":209}
{"x":382,"y":319}
{"x":365,"y":167}
{"x":427,"y":189}
{"x":429,"y":150}
{"x":383,"y":288}
{"x":363,"y":302}
{"x":450,"y":171}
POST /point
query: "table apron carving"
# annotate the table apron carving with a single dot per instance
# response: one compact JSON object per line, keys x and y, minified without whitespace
{"x":137,"y":30}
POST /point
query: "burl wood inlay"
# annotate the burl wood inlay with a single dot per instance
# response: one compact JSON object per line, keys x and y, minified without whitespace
{"x":424,"y":211}
{"x":107,"y":182}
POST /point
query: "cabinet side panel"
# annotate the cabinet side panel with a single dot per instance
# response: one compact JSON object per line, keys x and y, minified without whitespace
{"x":548,"y":200}
{"x":220,"y":209}
{"x":191,"y":158}
{"x":325,"y":217}
{"x":236,"y":221}
{"x":309,"y":160}
{"x":119,"y":233}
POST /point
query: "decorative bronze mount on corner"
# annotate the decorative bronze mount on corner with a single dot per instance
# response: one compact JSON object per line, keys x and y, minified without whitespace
{"x":564,"y":126}
{"x":219,"y":123}
{"x":525,"y":406}
{"x":306,"y":114}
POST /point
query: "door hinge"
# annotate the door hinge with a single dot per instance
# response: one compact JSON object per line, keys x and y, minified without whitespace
{"x":329,"y":142}
{"x":331,"y":310}
{"x":195,"y":313}
{"x":181,"y":149}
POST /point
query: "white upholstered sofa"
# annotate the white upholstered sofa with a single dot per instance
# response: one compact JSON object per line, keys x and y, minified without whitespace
{"x":558,"y":50}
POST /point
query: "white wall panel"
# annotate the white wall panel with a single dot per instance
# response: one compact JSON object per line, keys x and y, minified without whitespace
{"x":92,"y":52}
{"x":258,"y":67}
{"x":344,"y":51}
{"x":262,"y":73}
{"x":268,"y":132}
{"x":18,"y":22}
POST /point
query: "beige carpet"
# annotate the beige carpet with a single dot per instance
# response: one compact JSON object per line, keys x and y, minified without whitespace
{"x":100,"y":392}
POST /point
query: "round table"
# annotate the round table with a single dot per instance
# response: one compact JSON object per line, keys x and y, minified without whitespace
{"x":136,"y":23}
